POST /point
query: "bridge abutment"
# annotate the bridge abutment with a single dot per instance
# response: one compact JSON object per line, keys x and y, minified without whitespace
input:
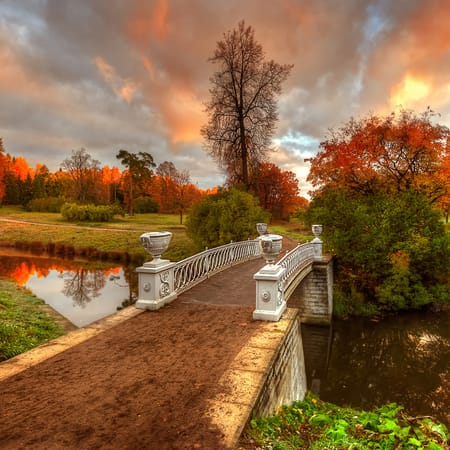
{"x":314,"y":296}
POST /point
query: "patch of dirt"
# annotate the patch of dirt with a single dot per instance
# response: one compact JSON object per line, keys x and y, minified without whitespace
{"x":143,"y":384}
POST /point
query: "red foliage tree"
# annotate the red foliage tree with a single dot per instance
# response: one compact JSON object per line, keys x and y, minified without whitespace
{"x":392,"y":153}
{"x":2,"y":170}
{"x":277,"y":190}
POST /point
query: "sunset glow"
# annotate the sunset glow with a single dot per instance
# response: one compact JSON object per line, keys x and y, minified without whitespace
{"x":105,"y":76}
{"x":409,"y":91}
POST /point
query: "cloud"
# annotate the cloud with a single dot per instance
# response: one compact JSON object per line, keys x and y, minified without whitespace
{"x":135,"y":74}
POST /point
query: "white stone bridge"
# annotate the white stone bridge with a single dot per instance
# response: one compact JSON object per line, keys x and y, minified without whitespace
{"x":303,"y":273}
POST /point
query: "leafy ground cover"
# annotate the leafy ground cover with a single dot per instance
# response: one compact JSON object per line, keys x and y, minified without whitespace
{"x":318,"y":425}
{"x":24,"y":323}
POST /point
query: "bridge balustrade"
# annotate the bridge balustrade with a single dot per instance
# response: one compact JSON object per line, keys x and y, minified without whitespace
{"x":193,"y":270}
{"x":162,"y":281}
{"x":295,"y":261}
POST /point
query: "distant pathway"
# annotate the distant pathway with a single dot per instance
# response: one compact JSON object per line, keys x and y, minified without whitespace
{"x":27,"y":222}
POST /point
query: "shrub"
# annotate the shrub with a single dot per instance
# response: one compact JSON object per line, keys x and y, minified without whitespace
{"x":46,"y":204}
{"x":88,"y":213}
{"x":392,"y":250}
{"x":144,"y":205}
{"x":224,"y":217}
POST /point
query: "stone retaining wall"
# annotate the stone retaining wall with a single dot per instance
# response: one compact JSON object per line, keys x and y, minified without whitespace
{"x":314,"y":296}
{"x":285,"y":380}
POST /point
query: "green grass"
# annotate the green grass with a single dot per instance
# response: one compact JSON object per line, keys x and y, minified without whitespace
{"x":121,"y":235}
{"x":318,"y":425}
{"x":293,"y":230}
{"x":23,"y":322}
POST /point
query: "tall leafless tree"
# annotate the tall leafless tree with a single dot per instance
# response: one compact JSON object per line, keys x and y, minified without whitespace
{"x":242,"y":109}
{"x":83,"y":170}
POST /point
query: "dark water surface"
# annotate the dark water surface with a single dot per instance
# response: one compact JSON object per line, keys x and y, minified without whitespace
{"x":76,"y":289}
{"x":365,"y":364}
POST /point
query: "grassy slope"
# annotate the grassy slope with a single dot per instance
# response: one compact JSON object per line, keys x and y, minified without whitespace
{"x":24,"y":323}
{"x":122,"y":235}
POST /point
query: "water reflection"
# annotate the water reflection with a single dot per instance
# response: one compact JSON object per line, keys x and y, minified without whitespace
{"x":81,"y":294}
{"x":83,"y":285}
{"x":403,"y":359}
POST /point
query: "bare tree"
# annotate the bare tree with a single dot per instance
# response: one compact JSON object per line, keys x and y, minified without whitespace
{"x":242,"y":109}
{"x":83,"y":170}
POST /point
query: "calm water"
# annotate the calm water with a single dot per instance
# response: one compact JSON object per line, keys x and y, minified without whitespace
{"x":82,"y":295}
{"x":403,"y":359}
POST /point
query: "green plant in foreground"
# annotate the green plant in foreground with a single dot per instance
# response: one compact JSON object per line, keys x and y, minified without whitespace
{"x":317,"y":425}
{"x":23,"y":324}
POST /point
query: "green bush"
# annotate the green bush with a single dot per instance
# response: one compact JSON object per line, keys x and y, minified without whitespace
{"x":227,"y":216}
{"x":143,"y":205}
{"x":88,"y":213}
{"x":392,"y":252}
{"x":318,"y":425}
{"x":45,"y":204}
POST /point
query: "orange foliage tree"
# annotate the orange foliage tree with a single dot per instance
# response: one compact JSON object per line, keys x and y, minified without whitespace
{"x":2,"y":170}
{"x":173,"y":189}
{"x":277,"y":190}
{"x":392,"y":154}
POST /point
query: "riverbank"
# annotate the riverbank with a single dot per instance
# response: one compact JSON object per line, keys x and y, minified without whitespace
{"x":117,"y":241}
{"x":25,"y":321}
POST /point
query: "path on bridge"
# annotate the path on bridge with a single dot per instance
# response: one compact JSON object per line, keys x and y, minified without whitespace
{"x":158,"y":380}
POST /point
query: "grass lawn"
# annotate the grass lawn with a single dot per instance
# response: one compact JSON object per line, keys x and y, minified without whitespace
{"x":121,"y":235}
{"x":24,"y":323}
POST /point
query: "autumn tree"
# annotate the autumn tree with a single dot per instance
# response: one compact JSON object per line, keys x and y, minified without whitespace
{"x":83,"y":171}
{"x":177,"y":193}
{"x":242,"y":109}
{"x":277,"y":190}
{"x":2,"y":170}
{"x":394,"y":153}
{"x":139,"y":169}
{"x":377,"y":183}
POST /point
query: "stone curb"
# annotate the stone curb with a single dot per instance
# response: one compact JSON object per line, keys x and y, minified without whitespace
{"x":45,"y":351}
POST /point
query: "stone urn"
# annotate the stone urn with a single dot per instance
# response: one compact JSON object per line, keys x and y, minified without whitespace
{"x":261,"y":227}
{"x":317,"y":230}
{"x":270,"y":245}
{"x":156,"y":243}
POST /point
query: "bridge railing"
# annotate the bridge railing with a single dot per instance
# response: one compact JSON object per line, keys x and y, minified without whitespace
{"x":161,"y":281}
{"x":295,"y":261}
{"x":275,"y":282}
{"x":193,"y":270}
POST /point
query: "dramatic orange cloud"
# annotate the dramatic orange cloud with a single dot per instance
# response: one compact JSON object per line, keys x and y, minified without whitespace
{"x":409,"y":92}
{"x":135,"y":74}
{"x":147,"y":20}
{"x":124,"y":88}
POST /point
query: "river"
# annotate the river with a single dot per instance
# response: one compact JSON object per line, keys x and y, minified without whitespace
{"x":403,"y":359}
{"x":81,"y":291}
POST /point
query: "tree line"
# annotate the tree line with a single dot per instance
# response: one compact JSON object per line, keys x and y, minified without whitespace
{"x":141,"y":186}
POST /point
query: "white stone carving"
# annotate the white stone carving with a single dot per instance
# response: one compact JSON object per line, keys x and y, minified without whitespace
{"x":156,"y":243}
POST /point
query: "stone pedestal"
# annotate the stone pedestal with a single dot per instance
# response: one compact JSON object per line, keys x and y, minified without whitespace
{"x":156,"y":287}
{"x":270,"y":303}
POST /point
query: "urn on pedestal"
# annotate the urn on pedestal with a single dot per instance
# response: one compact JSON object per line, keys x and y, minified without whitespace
{"x":317,"y":230}
{"x":270,"y":245}
{"x":156,"y":243}
{"x":261,"y":227}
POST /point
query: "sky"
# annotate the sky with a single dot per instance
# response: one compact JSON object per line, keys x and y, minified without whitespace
{"x":106,"y":75}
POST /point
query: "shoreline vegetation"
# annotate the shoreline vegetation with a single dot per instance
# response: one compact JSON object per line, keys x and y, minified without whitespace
{"x":26,"y":322}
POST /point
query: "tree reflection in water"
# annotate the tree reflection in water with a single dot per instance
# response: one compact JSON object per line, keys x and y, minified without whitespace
{"x":80,"y":294}
{"x":403,"y":359}
{"x":83,"y":285}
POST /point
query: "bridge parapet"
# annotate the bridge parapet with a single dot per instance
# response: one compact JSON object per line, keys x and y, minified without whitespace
{"x":275,"y":283}
{"x":162,"y":281}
